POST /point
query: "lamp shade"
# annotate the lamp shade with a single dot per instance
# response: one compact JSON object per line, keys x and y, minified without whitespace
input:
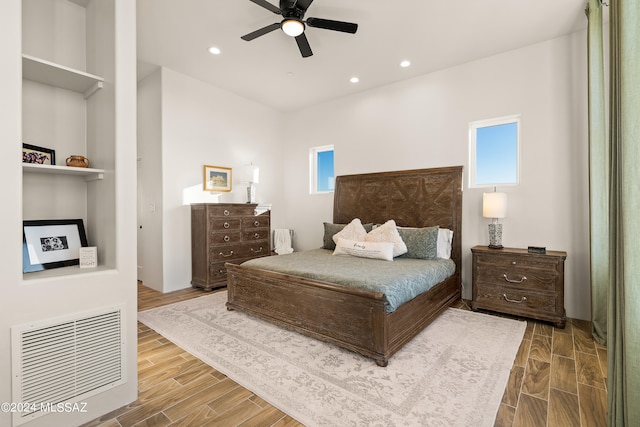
{"x":251,"y":173}
{"x":494,"y":205}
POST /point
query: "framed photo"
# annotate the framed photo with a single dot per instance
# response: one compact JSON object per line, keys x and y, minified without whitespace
{"x":40,"y":155}
{"x":217,"y":179}
{"x":51,"y":243}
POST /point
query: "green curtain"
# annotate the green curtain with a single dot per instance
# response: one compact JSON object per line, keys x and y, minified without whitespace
{"x":623,"y":377}
{"x":598,"y":174}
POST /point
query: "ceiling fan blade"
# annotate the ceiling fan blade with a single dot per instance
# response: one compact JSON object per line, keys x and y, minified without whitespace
{"x":328,"y":24}
{"x":261,"y":32}
{"x":303,"y":45}
{"x":303,"y":4}
{"x":267,"y":5}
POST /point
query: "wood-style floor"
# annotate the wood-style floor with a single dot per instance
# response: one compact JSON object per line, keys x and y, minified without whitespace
{"x":557,"y":379}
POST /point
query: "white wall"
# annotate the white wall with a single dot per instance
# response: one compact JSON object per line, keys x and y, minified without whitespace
{"x":205,"y":125}
{"x":31,"y":300}
{"x":150,"y":180}
{"x":423,"y":123}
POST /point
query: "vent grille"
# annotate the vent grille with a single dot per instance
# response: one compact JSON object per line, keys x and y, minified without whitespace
{"x":63,"y":361}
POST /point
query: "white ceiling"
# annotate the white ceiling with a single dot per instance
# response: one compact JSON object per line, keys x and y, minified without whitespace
{"x":432,"y":34}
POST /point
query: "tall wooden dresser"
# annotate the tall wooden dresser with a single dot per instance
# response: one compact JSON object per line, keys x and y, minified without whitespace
{"x":225,"y":232}
{"x":519,"y":282}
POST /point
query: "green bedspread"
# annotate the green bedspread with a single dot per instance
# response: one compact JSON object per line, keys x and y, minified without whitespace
{"x":399,"y":280}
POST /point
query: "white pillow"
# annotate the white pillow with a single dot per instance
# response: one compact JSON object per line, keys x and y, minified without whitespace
{"x":375,"y":250}
{"x":388,"y":232}
{"x":445,"y":237}
{"x":352,"y":231}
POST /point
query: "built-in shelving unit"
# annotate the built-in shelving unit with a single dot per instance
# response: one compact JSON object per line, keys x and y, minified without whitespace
{"x":68,"y":108}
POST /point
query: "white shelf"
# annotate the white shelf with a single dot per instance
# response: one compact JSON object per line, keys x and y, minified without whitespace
{"x":52,"y":74}
{"x":89,"y":174}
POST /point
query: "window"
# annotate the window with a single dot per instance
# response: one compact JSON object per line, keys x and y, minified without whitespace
{"x":494,"y":147}
{"x":321,"y":167}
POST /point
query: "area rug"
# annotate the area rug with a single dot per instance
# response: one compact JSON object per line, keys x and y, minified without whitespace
{"x":452,"y":374}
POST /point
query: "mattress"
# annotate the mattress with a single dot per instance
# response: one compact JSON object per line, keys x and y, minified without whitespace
{"x":399,"y":280}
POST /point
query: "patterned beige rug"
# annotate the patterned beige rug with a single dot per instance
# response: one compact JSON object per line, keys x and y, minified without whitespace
{"x":452,"y":374}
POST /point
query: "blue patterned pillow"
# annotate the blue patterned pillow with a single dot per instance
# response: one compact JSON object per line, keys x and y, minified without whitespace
{"x":422,"y":243}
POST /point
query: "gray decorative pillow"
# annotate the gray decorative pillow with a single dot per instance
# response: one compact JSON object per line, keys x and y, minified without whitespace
{"x":331,"y":229}
{"x":422,"y":243}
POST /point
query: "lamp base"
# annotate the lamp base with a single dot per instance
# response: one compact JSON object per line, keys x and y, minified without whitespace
{"x":251,"y":193}
{"x":495,"y":236}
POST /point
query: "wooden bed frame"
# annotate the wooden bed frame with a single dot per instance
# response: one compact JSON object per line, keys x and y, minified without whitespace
{"x":351,"y":318}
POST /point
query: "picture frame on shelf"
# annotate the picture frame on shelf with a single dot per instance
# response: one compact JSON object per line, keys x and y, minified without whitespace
{"x":217,"y":179}
{"x":38,"y":155}
{"x":51,"y":243}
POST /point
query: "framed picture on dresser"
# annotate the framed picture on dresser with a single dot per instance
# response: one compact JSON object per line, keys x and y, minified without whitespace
{"x":217,"y":179}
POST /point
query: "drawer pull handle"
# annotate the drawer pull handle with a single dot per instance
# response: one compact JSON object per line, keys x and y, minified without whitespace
{"x":256,"y":236}
{"x":226,"y":255}
{"x":256,"y":223}
{"x":522,"y":279}
{"x":227,"y":238}
{"x":226,"y":212}
{"x":226,"y":225}
{"x":523,"y":299}
{"x":256,"y":251}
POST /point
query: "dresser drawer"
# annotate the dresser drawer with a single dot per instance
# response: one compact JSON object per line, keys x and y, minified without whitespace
{"x":232,"y":252}
{"x":255,"y":235}
{"x":230,"y":210}
{"x":259,"y":221}
{"x":223,"y":238}
{"x":224,"y":224}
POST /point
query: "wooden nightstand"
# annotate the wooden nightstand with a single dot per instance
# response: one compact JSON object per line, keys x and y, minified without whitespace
{"x":519,"y":282}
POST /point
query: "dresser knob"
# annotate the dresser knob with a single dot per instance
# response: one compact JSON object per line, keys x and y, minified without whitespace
{"x":226,"y":225}
{"x":256,"y":223}
{"x":226,"y":212}
{"x":256,"y":236}
{"x":227,"y":238}
{"x":513,"y":263}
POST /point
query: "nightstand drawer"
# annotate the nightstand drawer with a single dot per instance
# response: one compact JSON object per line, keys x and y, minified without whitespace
{"x":521,"y":278}
{"x":518,"y":261}
{"x":515,"y":301}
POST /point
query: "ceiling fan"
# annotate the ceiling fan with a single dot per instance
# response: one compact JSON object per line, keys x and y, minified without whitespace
{"x":293,"y":24}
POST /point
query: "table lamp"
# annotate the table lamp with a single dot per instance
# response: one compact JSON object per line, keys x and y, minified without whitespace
{"x":494,"y":206}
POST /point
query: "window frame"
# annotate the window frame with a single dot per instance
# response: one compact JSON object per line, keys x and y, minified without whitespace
{"x":473,"y":127}
{"x":313,"y":168}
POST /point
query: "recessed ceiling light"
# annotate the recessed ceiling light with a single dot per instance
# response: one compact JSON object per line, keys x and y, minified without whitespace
{"x":214,"y":50}
{"x":405,"y":63}
{"x":354,"y":80}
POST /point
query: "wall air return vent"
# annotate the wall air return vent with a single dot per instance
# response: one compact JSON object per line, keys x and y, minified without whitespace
{"x":64,"y":360}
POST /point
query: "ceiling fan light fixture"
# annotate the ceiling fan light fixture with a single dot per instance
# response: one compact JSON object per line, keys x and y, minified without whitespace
{"x":292,"y":27}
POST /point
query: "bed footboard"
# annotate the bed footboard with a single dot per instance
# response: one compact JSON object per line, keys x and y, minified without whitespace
{"x":350,"y":318}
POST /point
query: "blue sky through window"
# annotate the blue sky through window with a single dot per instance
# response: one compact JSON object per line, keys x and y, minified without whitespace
{"x":497,"y":154}
{"x":326,"y":177}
